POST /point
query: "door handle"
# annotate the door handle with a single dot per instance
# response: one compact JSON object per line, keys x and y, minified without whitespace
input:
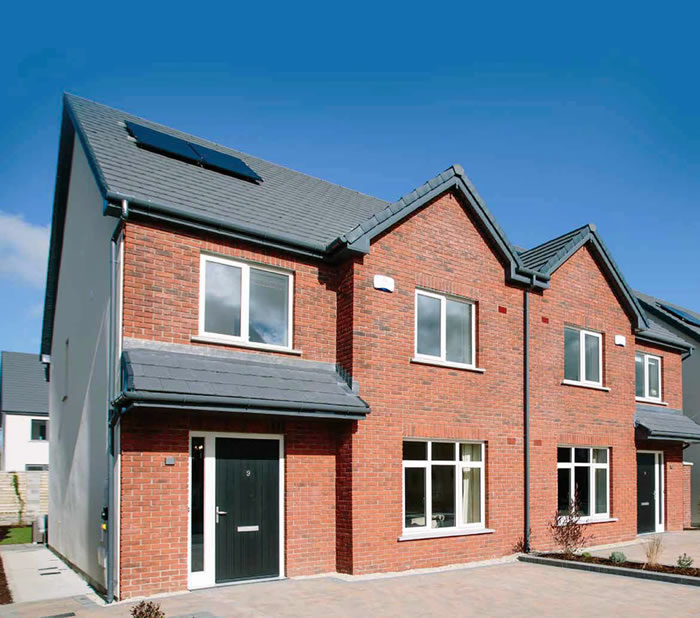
{"x":218,"y":512}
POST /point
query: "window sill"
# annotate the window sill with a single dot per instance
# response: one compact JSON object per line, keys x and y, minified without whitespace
{"x":657,"y":402}
{"x":243,"y":344}
{"x":593,"y":520}
{"x":447,"y":364}
{"x":595,"y":387}
{"x":439,"y":534}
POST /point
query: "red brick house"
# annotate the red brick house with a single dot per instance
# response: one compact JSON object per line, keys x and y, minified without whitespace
{"x":256,"y":373}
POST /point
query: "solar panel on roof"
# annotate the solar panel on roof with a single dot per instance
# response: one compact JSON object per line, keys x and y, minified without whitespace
{"x":163,"y":142}
{"x":169,"y":144}
{"x":683,"y":315}
{"x":225,"y":162}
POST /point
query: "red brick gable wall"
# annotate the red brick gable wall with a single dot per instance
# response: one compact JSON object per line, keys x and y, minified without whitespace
{"x":439,"y":248}
{"x":581,"y":296}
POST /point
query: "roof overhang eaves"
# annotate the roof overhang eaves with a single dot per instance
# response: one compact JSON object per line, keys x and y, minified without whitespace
{"x":660,"y":339}
{"x":258,"y":406}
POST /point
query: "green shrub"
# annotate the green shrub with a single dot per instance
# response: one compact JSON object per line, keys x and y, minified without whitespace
{"x":618,"y":557}
{"x":684,"y":561}
{"x":147,"y":609}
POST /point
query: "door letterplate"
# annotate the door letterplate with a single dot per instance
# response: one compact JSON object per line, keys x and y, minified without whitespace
{"x":247,"y":528}
{"x":645,"y":504}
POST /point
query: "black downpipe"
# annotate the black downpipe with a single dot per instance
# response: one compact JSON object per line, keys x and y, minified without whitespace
{"x":526,"y":419}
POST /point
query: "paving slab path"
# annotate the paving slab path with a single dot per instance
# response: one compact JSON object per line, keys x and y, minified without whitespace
{"x":34,"y":573}
{"x":510,"y":589}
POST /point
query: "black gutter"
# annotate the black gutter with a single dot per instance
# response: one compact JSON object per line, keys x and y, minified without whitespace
{"x":132,"y":397}
{"x":660,"y":339}
{"x":526,"y":419}
{"x":242,"y":410}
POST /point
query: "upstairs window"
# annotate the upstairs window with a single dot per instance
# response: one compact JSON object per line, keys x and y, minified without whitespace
{"x":242,"y":303}
{"x":648,"y":373}
{"x":39,"y":429}
{"x":444,"y":328}
{"x":583,"y":356}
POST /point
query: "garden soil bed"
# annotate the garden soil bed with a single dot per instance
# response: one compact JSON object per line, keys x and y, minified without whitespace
{"x":639,"y":566}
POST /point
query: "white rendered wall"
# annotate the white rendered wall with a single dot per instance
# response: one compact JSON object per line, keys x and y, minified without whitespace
{"x":19,"y":448}
{"x":78,"y":385}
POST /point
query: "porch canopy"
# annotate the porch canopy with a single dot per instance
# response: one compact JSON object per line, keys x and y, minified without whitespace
{"x":654,"y":423}
{"x":198,"y":378}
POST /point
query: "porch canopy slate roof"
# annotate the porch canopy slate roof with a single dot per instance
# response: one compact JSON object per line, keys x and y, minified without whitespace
{"x":199,"y":378}
{"x":666,"y":424}
{"x":23,"y":385}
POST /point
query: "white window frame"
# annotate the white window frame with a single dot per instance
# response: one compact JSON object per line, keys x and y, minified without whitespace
{"x":443,"y":298}
{"x":646,"y":359}
{"x":582,"y":358}
{"x":244,"y":338}
{"x":426,"y":465}
{"x":572,"y":465}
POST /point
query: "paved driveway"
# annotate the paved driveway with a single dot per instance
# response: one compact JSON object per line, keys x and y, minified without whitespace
{"x":511,"y":589}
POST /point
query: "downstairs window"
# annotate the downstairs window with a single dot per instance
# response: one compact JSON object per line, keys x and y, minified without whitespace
{"x":583,"y":477}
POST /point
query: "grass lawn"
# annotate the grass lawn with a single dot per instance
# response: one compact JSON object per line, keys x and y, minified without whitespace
{"x":18,"y":535}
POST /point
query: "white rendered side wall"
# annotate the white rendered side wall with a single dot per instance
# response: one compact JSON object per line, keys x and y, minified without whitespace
{"x":20,"y":449}
{"x":78,"y":386}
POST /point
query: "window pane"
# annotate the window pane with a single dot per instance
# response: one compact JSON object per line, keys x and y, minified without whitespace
{"x":601,"y":491}
{"x":197,"y":505}
{"x":269,"y":307}
{"x":413,"y":451}
{"x":459,"y":332}
{"x":471,"y":495}
{"x":582,"y":489}
{"x":443,"y":496}
{"x":563,"y":490}
{"x":600,"y":455}
{"x":563,"y":454}
{"x":443,"y":451}
{"x":39,"y":430}
{"x":654,"y":378}
{"x":572,"y":354}
{"x":470,"y":452}
{"x":222,"y":306}
{"x":639,"y":373}
{"x":428,"y":325}
{"x":582,"y":455}
{"x":592,"y":358}
{"x":415,"y":497}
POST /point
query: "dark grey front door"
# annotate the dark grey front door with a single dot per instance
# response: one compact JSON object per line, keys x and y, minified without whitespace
{"x":247,"y":503}
{"x":646,"y":492}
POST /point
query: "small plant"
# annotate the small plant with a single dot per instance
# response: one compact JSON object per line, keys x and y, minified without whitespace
{"x":15,"y":485}
{"x":587,"y":554}
{"x":652,"y":550}
{"x":617,"y":557}
{"x":566,"y":531}
{"x":147,"y":609}
{"x":684,"y":561}
{"x":521,"y":545}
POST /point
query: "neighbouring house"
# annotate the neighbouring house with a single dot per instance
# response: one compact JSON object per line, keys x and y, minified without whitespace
{"x":24,"y":402}
{"x":257,"y":374}
{"x":685,"y":324}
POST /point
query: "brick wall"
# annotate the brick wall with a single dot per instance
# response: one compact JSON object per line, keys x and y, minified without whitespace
{"x":344,"y":481}
{"x":154,"y":497}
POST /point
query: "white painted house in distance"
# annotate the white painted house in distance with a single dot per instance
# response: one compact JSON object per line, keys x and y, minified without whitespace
{"x":24,"y":402}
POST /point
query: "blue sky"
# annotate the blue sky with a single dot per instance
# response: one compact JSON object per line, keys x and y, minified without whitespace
{"x":560,"y":114}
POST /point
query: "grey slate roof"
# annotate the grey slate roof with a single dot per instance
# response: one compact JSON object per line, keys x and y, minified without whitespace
{"x":545,"y":256}
{"x":306,"y":209}
{"x":23,"y":387}
{"x":200,"y":376}
{"x":657,"y":332}
{"x":666,"y":423}
{"x":653,"y":304}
